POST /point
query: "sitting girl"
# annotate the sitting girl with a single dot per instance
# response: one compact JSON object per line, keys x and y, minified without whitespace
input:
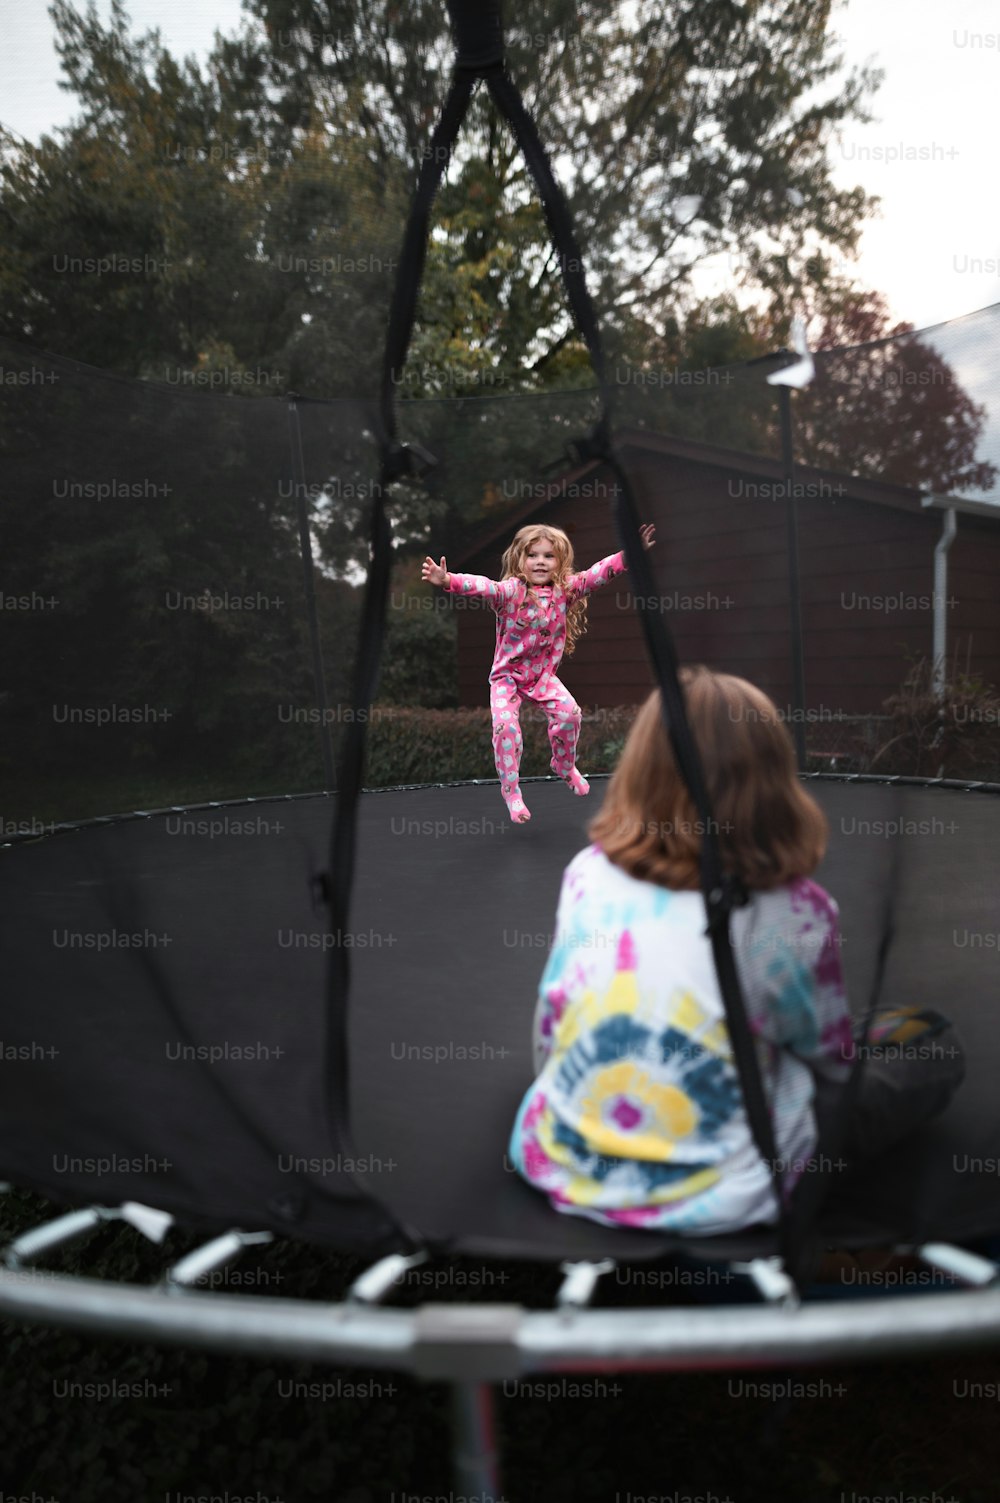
{"x":540,"y":605}
{"x":636,"y":1118}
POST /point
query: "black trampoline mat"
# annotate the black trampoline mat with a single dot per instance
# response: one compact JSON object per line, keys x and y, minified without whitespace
{"x":448,"y":936}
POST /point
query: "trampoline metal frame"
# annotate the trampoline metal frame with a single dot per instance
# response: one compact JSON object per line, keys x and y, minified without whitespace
{"x":491,"y":1343}
{"x":471,"y":1346}
{"x":66,"y":827}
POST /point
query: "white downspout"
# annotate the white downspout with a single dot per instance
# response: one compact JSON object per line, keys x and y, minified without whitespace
{"x":940,"y":600}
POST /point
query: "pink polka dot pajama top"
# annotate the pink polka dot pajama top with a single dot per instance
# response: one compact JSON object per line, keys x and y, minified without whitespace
{"x":531,"y":637}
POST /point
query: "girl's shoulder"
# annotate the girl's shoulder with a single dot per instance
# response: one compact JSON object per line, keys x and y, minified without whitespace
{"x":588,"y":860}
{"x":800,"y":908}
{"x":591,"y":871}
{"x":807,"y":896}
{"x":590,"y":868}
{"x":800,"y":893}
{"x":588,"y":871}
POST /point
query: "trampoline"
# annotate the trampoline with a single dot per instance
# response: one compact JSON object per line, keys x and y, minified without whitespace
{"x":319,"y":1042}
{"x":234,"y":950}
{"x":185,"y":1078}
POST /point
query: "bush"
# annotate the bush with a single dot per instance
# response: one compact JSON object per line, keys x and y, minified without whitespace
{"x":418,"y":660}
{"x":947,"y":731}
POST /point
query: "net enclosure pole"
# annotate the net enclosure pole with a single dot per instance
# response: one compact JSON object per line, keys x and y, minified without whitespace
{"x":309,"y":587}
{"x":475,"y":1457}
{"x":940,"y":666}
{"x":794,"y":583}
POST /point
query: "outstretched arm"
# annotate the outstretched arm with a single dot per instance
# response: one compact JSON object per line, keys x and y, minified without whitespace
{"x":606,"y":568}
{"x":466,"y":584}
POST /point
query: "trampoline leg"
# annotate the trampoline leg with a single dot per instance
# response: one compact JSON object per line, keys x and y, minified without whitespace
{"x":474,"y":1438}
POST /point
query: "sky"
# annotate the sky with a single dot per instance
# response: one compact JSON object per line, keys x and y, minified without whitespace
{"x":934,"y":250}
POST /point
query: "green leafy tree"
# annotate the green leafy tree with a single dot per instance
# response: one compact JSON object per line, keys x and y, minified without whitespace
{"x":175,"y":231}
{"x":699,"y":128}
{"x":263,"y":196}
{"x":236,"y":226}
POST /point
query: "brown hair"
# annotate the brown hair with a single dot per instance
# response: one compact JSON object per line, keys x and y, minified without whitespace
{"x":768,"y":828}
{"x":513,"y":568}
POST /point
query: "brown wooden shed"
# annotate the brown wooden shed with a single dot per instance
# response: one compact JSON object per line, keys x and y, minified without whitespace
{"x":867,"y":568}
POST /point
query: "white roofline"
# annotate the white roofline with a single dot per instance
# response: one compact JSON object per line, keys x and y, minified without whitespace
{"x":956,"y":503}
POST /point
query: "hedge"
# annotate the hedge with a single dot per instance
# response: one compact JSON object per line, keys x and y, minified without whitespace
{"x":440,"y":746}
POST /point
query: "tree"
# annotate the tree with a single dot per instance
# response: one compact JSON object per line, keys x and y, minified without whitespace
{"x":165,"y":235}
{"x":681,"y":131}
{"x":234,"y":227}
{"x":886,"y":403}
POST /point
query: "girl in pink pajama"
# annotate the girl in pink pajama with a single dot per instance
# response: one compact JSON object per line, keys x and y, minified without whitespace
{"x":541,"y":612}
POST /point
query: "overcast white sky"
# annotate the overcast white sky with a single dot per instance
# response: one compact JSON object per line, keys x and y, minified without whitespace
{"x":931,"y":155}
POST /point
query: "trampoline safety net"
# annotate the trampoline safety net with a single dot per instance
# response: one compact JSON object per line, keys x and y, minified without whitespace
{"x":183,"y":571}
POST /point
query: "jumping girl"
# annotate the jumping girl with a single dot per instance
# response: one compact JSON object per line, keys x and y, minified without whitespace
{"x":636,"y":1117}
{"x":541,"y":613}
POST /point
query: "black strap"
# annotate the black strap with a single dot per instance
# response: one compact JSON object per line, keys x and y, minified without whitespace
{"x":509,"y":103}
{"x":397,"y":461}
{"x":476,"y":26}
{"x":719,"y":890}
{"x":478,"y":34}
{"x":411,"y":263}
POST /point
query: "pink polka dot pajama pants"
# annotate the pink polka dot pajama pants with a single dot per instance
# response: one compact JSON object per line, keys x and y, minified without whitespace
{"x":563,"y":715}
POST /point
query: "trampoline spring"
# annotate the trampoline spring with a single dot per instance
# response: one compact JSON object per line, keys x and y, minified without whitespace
{"x":375,"y":1283}
{"x":964,"y":1266}
{"x":770,"y":1280}
{"x":210,"y":1256}
{"x":577,"y":1288}
{"x":51,"y":1234}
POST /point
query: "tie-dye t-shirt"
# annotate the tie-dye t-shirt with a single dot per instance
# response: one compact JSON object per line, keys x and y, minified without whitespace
{"x":636,"y":1118}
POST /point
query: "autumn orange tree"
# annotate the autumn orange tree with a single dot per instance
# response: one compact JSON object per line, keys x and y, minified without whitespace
{"x":886,"y":404}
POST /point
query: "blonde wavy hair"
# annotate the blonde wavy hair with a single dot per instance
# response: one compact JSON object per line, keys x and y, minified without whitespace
{"x":513,"y":568}
{"x":768,"y":828}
